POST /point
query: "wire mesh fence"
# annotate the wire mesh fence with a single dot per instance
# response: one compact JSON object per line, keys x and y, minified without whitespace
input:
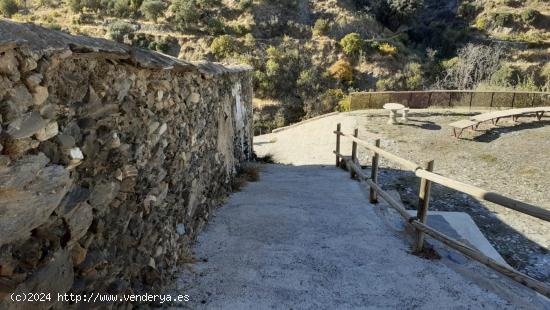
{"x":449,"y":99}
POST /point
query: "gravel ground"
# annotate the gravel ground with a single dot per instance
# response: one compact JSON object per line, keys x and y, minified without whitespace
{"x":511,"y":159}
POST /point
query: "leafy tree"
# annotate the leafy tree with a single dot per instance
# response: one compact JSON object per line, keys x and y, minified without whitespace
{"x":152,"y":9}
{"x":352,"y":43}
{"x":8,"y":7}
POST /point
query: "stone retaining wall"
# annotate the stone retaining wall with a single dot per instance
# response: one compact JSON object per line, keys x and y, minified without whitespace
{"x":112,"y":160}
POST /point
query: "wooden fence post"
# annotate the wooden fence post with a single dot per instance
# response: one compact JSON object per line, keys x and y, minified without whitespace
{"x":338,"y":127}
{"x":353,"y":152}
{"x":423,"y":203}
{"x":374,"y":173}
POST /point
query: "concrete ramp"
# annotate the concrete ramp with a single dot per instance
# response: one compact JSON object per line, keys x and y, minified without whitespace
{"x":306,"y":238}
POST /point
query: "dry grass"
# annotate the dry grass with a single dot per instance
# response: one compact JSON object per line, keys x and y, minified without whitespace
{"x":249,"y":172}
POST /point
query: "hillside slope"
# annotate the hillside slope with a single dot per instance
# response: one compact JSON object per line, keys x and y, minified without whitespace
{"x":309,"y":54}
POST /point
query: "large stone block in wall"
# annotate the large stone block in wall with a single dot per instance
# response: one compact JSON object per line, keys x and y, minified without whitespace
{"x":29,"y":192}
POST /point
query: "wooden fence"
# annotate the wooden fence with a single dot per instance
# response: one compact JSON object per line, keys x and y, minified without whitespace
{"x":418,"y":222}
{"x":449,"y":98}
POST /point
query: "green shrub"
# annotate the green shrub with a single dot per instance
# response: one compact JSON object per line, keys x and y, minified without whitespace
{"x":164,"y":44}
{"x":513,"y":3}
{"x":481,"y":23}
{"x":8,"y":7}
{"x":390,"y":83}
{"x":321,"y":27}
{"x":502,"y":19}
{"x":331,"y":100}
{"x":414,"y":76}
{"x":344,"y":105}
{"x":545,"y":72}
{"x":530,"y":16}
{"x":53,"y":26}
{"x":215,"y":26}
{"x":152,"y":9}
{"x":118,"y":30}
{"x":121,"y":8}
{"x":249,"y":40}
{"x":75,"y":5}
{"x":186,"y":12}
{"x":245,"y":4}
{"x":469,"y":10}
{"x":352,"y":43}
{"x":505,"y":76}
{"x":387,"y":49}
{"x":223,"y":46}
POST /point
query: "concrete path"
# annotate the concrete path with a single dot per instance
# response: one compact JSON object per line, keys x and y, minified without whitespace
{"x":305,"y":238}
{"x":308,"y":144}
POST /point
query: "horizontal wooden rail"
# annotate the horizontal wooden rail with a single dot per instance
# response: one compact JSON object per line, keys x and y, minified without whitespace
{"x":409,"y":165}
{"x":480,"y":193}
{"x":452,"y":243}
{"x":454,"y":91}
{"x":474,"y":191}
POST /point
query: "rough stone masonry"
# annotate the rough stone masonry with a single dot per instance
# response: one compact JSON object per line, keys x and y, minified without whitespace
{"x":112,"y":159}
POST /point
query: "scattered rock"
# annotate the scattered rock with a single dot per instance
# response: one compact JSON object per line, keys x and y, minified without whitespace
{"x":40,"y":95}
{"x":49,"y":132}
{"x":26,"y":126}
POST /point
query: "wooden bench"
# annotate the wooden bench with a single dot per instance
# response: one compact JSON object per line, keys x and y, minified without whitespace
{"x":495,"y":116}
{"x":461,"y":125}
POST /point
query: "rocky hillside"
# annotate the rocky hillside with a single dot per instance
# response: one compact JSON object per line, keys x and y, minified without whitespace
{"x":309,"y":54}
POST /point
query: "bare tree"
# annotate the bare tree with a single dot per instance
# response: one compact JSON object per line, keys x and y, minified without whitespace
{"x":476,"y":63}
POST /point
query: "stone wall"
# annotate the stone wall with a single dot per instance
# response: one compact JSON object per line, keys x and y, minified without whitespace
{"x":112,"y":160}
